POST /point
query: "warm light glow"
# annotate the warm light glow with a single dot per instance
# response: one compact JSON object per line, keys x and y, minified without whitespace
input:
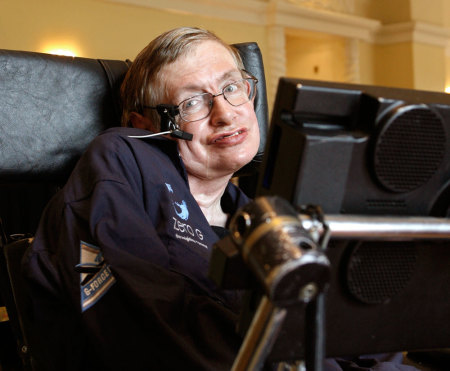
{"x":66,"y":52}
{"x":447,"y":89}
{"x":61,"y":47}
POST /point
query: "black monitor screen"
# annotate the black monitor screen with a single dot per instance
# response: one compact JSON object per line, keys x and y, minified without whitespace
{"x":367,"y":150}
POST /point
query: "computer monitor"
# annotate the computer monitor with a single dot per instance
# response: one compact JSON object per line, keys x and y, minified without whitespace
{"x":367,"y":150}
{"x":357,"y":149}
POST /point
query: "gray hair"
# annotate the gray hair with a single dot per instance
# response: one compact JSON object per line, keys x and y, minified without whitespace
{"x":142,"y":85}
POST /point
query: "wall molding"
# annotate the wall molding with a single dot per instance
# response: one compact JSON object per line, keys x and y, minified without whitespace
{"x":246,"y":11}
{"x":293,"y":16}
{"x":414,"y":32}
{"x":268,"y":13}
{"x":290,"y":14}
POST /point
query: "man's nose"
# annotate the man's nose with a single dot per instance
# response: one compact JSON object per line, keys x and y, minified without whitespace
{"x":222,"y":112}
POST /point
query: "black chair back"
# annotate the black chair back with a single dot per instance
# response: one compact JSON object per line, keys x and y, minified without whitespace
{"x":15,"y":295}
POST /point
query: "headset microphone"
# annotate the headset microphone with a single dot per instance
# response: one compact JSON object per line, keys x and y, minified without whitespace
{"x":177,"y":133}
{"x":167,"y":113}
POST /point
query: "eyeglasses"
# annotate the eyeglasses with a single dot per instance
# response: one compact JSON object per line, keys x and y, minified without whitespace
{"x":199,"y":106}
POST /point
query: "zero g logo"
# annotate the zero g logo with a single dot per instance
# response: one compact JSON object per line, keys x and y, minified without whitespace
{"x":186,"y":228}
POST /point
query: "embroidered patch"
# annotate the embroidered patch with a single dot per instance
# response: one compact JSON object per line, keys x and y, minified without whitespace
{"x":182,"y":227}
{"x":95,"y":275}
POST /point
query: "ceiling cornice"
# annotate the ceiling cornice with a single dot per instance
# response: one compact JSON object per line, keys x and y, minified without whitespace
{"x":413,"y":32}
{"x":283,"y":13}
{"x":293,"y":16}
{"x":248,"y":11}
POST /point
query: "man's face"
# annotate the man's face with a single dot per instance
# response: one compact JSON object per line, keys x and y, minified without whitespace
{"x":228,"y":138}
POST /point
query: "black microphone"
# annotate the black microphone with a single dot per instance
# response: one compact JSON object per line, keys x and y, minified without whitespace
{"x":177,"y":133}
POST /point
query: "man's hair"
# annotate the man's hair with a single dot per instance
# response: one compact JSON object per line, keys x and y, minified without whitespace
{"x":143,"y":86}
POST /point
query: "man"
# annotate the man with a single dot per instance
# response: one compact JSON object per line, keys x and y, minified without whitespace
{"x":118,"y":268}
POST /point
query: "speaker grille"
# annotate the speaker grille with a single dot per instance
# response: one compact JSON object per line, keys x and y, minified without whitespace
{"x":373,"y":204}
{"x":409,"y":148}
{"x":378,"y":271}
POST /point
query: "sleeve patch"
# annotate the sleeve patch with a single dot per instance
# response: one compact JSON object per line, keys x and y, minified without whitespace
{"x":95,"y":275}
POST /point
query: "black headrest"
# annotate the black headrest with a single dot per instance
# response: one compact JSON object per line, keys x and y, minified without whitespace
{"x":51,"y":107}
{"x":252,"y":58}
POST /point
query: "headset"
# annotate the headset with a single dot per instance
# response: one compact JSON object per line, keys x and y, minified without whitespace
{"x":167,"y":112}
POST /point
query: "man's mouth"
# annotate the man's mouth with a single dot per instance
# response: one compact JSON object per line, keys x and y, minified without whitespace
{"x":236,"y":133}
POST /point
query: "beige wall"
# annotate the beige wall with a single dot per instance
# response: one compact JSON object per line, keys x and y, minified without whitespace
{"x":407,"y":65}
{"x":393,"y":65}
{"x":394,"y":11}
{"x":447,"y":69}
{"x":309,"y":57}
{"x":429,"y":67}
{"x":445,"y":13}
{"x":388,"y":11}
{"x":411,"y":58}
{"x":367,"y":63}
{"x":324,"y":57}
{"x":430,"y":11}
{"x":108,"y":29}
{"x":100,"y":29}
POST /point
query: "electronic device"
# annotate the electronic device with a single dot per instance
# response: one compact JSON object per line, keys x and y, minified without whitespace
{"x":370,"y":151}
{"x":359,"y":149}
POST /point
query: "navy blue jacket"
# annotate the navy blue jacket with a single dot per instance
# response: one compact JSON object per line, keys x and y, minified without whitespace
{"x":119,"y":265}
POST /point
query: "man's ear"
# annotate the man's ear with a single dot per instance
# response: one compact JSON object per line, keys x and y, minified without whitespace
{"x":141,"y":122}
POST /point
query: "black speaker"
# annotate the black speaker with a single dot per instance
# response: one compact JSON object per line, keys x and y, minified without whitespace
{"x":409,"y":147}
{"x":375,"y":272}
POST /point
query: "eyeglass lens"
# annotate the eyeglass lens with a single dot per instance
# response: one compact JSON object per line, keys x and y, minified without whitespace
{"x":199,"y":106}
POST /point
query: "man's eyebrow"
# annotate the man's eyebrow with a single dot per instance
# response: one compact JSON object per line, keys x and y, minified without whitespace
{"x":235,"y":74}
{"x":231,"y":73}
{"x":197,"y":87}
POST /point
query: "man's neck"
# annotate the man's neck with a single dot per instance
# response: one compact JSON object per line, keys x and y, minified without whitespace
{"x":208,"y":194}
